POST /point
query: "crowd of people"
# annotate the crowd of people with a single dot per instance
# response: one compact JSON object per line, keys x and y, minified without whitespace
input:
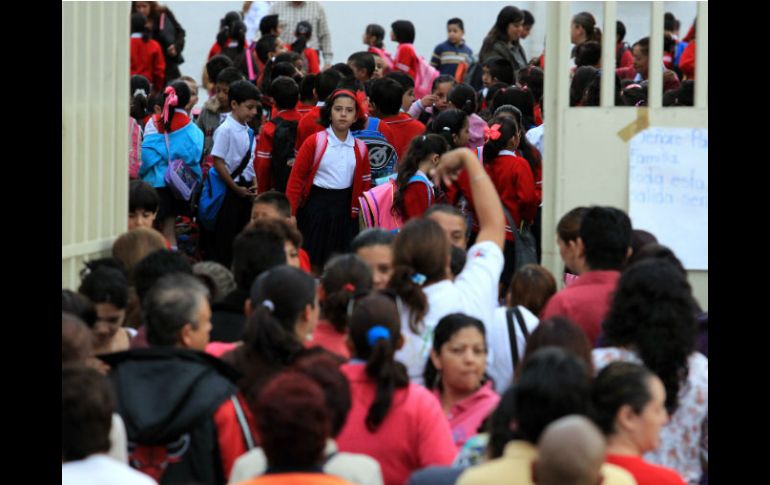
{"x":331,"y":273}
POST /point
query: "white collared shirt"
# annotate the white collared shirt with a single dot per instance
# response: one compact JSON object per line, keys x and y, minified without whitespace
{"x":338,"y":163}
{"x":231,"y":140}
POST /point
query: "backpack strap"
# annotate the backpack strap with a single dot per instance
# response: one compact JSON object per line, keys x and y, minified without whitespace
{"x":238,"y":171}
{"x":512,"y":336}
{"x":239,"y":414}
{"x":374,"y":124}
{"x":520,"y":319}
{"x":361,"y":147}
{"x":321,"y":140}
{"x":421,"y":178}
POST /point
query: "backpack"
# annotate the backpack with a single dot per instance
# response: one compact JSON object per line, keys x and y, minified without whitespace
{"x":424,"y":77}
{"x":382,"y":155}
{"x":377,"y":204}
{"x":474,"y":76}
{"x":283,"y":152}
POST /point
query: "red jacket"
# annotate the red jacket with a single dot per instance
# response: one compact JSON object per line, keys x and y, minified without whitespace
{"x":404,"y":128}
{"x":304,"y":170}
{"x":687,"y":61}
{"x":265,"y":150}
{"x":416,"y":200}
{"x":303,"y":109}
{"x":308,"y":126}
{"x":406,"y":59}
{"x":147,"y":60}
{"x":313,"y":64}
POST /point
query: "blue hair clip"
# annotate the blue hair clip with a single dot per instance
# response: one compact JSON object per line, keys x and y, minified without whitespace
{"x":377,"y":333}
{"x":418,"y":279}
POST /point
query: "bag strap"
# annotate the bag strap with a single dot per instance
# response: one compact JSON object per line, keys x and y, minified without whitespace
{"x":421,"y":178}
{"x":246,"y":158}
{"x":520,"y":319}
{"x":374,"y":124}
{"x":242,"y":422}
{"x":512,"y":337}
{"x":321,"y":140}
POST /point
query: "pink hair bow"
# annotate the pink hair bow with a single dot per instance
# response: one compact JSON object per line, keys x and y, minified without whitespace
{"x":492,"y":133}
{"x":171,"y":100}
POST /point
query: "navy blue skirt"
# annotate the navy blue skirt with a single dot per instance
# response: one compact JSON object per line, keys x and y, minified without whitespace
{"x":325,"y":223}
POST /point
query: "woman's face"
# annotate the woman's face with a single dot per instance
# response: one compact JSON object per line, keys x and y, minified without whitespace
{"x":461,"y":138}
{"x":462,"y":360}
{"x":577,"y":34}
{"x":567,"y":252}
{"x":514,"y":30}
{"x":143,"y":8}
{"x":343,"y":113}
{"x":645,"y":427}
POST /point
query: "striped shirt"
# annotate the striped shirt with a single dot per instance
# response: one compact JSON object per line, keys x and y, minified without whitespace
{"x":290,"y":14}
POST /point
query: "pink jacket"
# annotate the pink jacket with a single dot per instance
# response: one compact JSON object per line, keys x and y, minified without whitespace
{"x":466,"y":416}
{"x":413,"y":435}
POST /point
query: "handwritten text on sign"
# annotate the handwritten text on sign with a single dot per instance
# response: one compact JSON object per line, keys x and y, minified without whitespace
{"x":668,"y":190}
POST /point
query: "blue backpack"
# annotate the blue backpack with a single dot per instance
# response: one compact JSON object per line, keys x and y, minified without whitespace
{"x":382,"y":155}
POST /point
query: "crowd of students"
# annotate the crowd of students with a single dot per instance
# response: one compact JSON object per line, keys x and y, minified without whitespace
{"x":358,"y":296}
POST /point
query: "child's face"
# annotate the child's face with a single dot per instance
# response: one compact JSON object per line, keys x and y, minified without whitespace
{"x":343,"y":113}
{"x":454,"y":33}
{"x":222,"y":91}
{"x":641,"y":61}
{"x":292,"y":254}
{"x":442,"y":91}
{"x":141,"y":218}
{"x":486,"y":77}
{"x":244,"y":112}
{"x":379,"y":258}
{"x":461,"y":138}
{"x":407,"y":99}
{"x":261,"y":211}
{"x":379,"y":67}
{"x":367,"y":39}
{"x":393,"y":36}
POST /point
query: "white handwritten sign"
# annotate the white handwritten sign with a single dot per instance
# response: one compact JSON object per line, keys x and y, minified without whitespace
{"x":668,"y":190}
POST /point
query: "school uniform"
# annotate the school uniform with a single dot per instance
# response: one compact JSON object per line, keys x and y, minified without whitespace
{"x":404,"y":129}
{"x":263,"y":161}
{"x":418,"y":198}
{"x":147,"y":60}
{"x":309,"y":125}
{"x":406,"y":59}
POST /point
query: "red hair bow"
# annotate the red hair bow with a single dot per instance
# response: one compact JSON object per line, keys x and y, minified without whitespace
{"x":492,"y":133}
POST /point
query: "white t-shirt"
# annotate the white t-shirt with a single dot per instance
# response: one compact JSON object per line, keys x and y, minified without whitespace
{"x":535,"y":137}
{"x":473,"y":292}
{"x":100,"y":469}
{"x":338,"y":163}
{"x":231,"y":141}
{"x":500,"y":361}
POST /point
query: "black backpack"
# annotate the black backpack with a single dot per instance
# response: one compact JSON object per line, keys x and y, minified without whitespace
{"x":474,"y":76}
{"x":283,"y":152}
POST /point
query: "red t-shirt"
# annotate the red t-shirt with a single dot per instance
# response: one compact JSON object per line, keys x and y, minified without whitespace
{"x":416,"y":200}
{"x":327,"y":337}
{"x":646,"y":473}
{"x":404,"y":128}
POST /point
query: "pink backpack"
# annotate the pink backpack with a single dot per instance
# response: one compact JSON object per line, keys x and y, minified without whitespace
{"x":377,"y":204}
{"x":423,"y":81}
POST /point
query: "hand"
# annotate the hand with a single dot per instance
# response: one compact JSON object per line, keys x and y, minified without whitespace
{"x":171,"y":50}
{"x":450,"y":164}
{"x":429,"y":100}
{"x":244,"y":191}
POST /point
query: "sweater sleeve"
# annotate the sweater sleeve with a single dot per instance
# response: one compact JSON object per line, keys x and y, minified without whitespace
{"x":300,"y":173}
{"x":263,"y":159}
{"x":415,"y":200}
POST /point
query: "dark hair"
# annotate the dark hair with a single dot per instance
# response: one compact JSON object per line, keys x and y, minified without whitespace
{"x":138,"y":99}
{"x":376,"y":31}
{"x":652,"y":310}
{"x":285,"y":92}
{"x":182,"y":91}
{"x":620,"y":30}
{"x":552,"y":384}
{"x":447,"y":327}
{"x":635,"y":95}
{"x":617,"y":385}
{"x":499,"y":32}
{"x":343,"y":276}
{"x":106,"y":285}
{"x":444,"y":78}
{"x":255,"y":251}
{"x":669,"y":21}
{"x":276,"y":68}
{"x":644,"y":45}
{"x":420,"y":247}
{"x":236,"y":31}
{"x":87,"y":404}
{"x":324,"y":370}
{"x":529,"y":19}
{"x":501,"y":69}
{"x":268,"y":23}
{"x":242,"y":91}
{"x":388,"y":374}
{"x":463,"y":96}
{"x":499,"y":423}
{"x":280,"y":227}
{"x":265,"y":45}
{"x":79,"y":306}
{"x":592,"y":93}
{"x":229,"y":75}
{"x":403,"y":30}
{"x":343,"y":69}
{"x":568,"y":228}
{"x":533,"y":78}
{"x":456,"y":21}
{"x":588,"y":53}
{"x":563,"y":333}
{"x":448,"y":123}
{"x":215,"y":65}
{"x":142,"y":196}
{"x":326,"y":112}
{"x":303,"y":31}
{"x":275,"y":199}
{"x":225,"y":28}
{"x":457,"y":263}
{"x":76,"y":339}
{"x":306,"y":87}
{"x":138,"y":25}
{"x":683,"y":96}
{"x":583,"y":77}
{"x":419,"y":149}
{"x":387,"y":95}
{"x":326,"y":82}
{"x":532,"y":286}
{"x":588,"y":22}
{"x":520,"y":98}
{"x":509,"y":128}
{"x":606,"y":235}
{"x":293,"y":421}
{"x":374,"y":236}
{"x":172,"y":302}
{"x":363,"y":60}
{"x":156,"y":265}
{"x":639,"y":239}
{"x":402,"y":78}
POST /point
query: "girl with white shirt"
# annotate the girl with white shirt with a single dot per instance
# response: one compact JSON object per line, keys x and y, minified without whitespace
{"x":421,"y":258}
{"x":329,"y":174}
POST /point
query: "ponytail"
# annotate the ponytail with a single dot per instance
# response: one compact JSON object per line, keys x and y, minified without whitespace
{"x":404,"y":282}
{"x":176,"y":94}
{"x":389,"y":374}
{"x":508,"y":127}
{"x":419,"y":149}
{"x":343,"y":277}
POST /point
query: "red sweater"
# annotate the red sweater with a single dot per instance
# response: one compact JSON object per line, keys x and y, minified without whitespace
{"x":313,"y":64}
{"x":265,"y":150}
{"x":147,"y":60}
{"x":416,"y":200}
{"x":404,"y":128}
{"x":304,"y":170}
{"x":646,"y":473}
{"x":308,"y":126}
{"x":687,"y":61}
{"x":406,"y":59}
{"x":303,"y":109}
